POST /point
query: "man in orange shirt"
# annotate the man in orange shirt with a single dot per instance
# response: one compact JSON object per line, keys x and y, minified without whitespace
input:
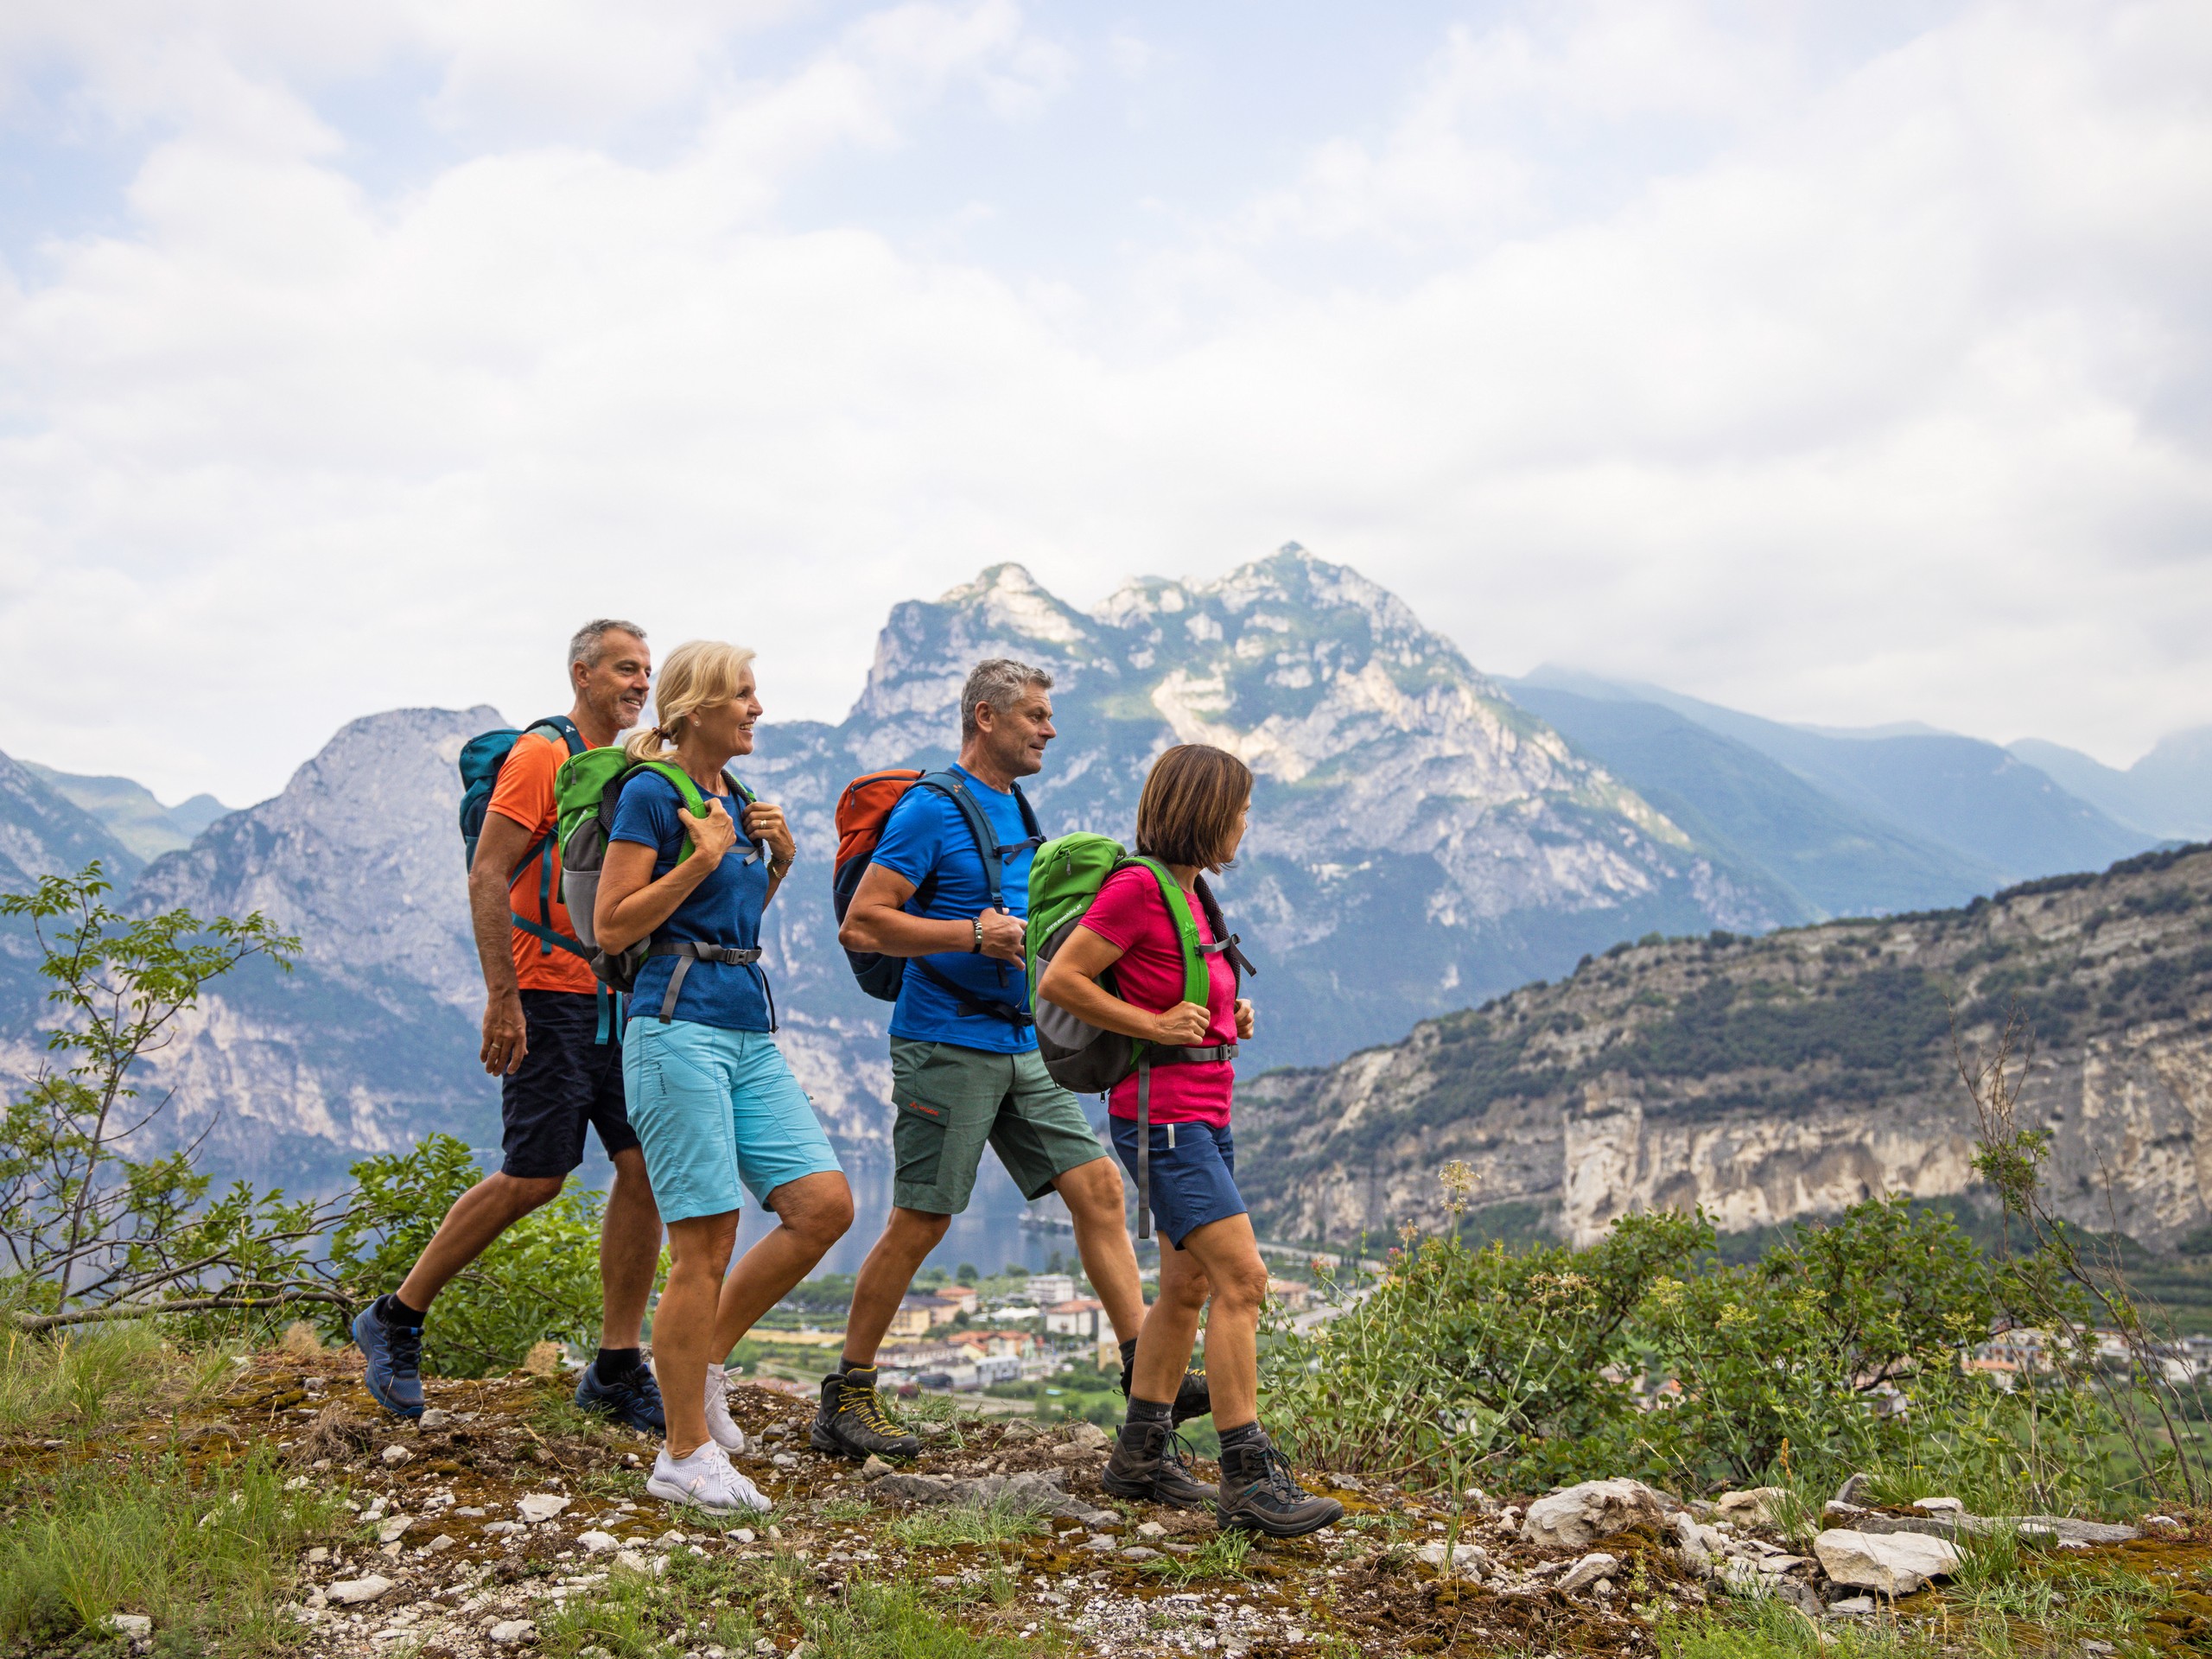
{"x":559,"y":1063}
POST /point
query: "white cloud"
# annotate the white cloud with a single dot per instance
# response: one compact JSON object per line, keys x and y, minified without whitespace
{"x":1847,"y":389}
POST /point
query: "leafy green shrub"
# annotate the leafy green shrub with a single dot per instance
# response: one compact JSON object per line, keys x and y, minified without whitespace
{"x":1458,"y":1353}
{"x":538,"y":1281}
{"x":1804,"y":1349}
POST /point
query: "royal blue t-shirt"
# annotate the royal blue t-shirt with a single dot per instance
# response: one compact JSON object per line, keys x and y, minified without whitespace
{"x":724,"y":909}
{"x":927,"y":832}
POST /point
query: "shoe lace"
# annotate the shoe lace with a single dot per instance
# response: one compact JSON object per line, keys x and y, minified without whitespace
{"x":1176,"y":1450}
{"x":863,"y":1403}
{"x":1275,"y":1476}
{"x":640,"y":1387}
{"x":404,"y":1341}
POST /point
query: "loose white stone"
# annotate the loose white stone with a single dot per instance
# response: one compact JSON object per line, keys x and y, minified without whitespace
{"x":1468,"y":1561}
{"x":348,"y":1592}
{"x":513,"y":1632}
{"x":1589,"y":1571}
{"x":395,"y":1454}
{"x":1578,"y":1516}
{"x":130,"y":1624}
{"x":395,"y":1527}
{"x":541,"y":1506}
{"x":435,"y":1418}
{"x":1895,"y":1563}
{"x":597,"y":1543}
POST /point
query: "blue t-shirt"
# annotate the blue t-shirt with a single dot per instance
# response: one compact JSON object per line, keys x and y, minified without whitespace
{"x":724,"y":909}
{"x":927,"y":832}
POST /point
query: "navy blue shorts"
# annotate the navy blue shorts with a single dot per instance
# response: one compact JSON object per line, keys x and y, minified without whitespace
{"x":1193,"y":1175}
{"x":568,"y":1080}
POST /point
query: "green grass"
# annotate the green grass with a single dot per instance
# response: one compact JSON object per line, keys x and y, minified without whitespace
{"x":1221,"y":1556}
{"x":207,"y":1554}
{"x":77,"y":1380}
{"x":944,"y":1525}
{"x":1768,"y":1630}
{"x":699,"y":1604}
{"x":836,"y":1511}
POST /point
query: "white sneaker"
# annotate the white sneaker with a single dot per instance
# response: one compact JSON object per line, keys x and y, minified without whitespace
{"x":724,"y":1429}
{"x":705,"y":1481}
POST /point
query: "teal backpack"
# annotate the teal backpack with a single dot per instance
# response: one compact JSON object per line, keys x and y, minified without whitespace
{"x":586,"y":792}
{"x":1063,"y":881}
{"x":481,"y":759}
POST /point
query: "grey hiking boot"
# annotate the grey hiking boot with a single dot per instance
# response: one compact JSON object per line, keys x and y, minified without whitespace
{"x":852,"y":1424}
{"x":1259,"y":1495}
{"x":1152,"y":1465}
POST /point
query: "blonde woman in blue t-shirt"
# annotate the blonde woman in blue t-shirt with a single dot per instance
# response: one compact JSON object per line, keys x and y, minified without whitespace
{"x":715,"y":1108}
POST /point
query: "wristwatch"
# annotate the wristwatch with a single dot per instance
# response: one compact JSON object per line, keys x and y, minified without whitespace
{"x":976,"y":949}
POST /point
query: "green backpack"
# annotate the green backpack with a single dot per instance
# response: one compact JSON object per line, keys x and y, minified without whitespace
{"x":1064,"y":879}
{"x":586,"y":792}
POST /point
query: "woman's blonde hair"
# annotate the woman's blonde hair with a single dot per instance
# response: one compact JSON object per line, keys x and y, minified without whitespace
{"x":698,"y":672}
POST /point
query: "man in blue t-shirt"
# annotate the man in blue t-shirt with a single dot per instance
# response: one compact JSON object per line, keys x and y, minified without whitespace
{"x":965,"y":1068}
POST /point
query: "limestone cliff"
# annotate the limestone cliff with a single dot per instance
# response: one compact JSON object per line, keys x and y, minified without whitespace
{"x":1770,"y":1078}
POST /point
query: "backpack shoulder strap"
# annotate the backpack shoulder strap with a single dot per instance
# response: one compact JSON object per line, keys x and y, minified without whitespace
{"x":971,"y":813}
{"x":1225,"y":942}
{"x":1037,"y":836}
{"x":563,"y":727}
{"x":1195,"y":976}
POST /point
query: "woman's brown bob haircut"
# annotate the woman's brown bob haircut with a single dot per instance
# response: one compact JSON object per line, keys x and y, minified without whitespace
{"x":1191,"y":804}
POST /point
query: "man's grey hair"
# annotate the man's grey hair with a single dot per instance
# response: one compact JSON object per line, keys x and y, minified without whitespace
{"x":588,"y":644}
{"x":999,"y":681}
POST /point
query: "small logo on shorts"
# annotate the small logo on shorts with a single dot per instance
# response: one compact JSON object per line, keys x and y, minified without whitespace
{"x":916,"y":1105}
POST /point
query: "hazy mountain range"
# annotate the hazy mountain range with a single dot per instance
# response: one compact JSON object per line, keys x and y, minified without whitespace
{"x":1424,"y":836}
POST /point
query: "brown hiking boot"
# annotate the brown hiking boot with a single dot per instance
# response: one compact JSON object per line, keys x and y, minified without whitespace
{"x":1259,"y":1495}
{"x":1151,"y":1465}
{"x":852,"y":1424}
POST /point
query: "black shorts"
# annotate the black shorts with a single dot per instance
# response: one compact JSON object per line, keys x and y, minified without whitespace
{"x":568,"y":1080}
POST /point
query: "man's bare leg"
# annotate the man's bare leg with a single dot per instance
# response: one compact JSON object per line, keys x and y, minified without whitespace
{"x":1093,"y":1195}
{"x":884,"y":1277}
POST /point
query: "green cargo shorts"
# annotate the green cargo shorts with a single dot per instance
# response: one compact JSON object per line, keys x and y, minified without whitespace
{"x":951,"y":1100}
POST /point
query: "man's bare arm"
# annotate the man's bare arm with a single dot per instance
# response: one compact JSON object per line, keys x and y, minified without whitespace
{"x":877,"y":921}
{"x":500,"y":844}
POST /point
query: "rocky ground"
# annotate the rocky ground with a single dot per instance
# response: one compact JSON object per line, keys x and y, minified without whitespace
{"x":505,"y":1523}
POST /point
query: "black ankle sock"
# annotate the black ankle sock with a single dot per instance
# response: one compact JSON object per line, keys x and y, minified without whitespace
{"x":845,"y":1365}
{"x":1129,"y":1353}
{"x":619,"y":1364}
{"x":392,"y":1311}
{"x":1245,"y":1434}
{"x":1148,"y":1411}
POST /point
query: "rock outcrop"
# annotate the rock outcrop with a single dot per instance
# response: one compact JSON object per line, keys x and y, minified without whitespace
{"x":1768,"y":1080}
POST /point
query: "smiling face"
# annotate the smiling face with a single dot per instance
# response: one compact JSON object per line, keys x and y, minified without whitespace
{"x":1014,"y":741}
{"x":616,"y":686}
{"x":726,"y":727}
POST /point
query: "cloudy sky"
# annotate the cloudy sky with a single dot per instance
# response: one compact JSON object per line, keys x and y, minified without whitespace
{"x":1845,"y":362}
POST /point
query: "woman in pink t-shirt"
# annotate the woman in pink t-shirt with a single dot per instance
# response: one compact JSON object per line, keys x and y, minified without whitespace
{"x":1190,"y":818}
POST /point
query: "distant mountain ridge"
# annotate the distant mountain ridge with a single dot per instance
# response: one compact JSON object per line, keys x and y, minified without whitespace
{"x":130,"y":812}
{"x":2167,"y":792}
{"x":1852,"y":824}
{"x":1422,"y":839}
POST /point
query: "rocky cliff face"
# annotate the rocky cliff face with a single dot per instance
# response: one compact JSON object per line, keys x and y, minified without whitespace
{"x":1789,"y":1076}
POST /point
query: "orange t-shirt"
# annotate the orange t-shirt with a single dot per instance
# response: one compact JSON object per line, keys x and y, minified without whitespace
{"x":524,"y":794}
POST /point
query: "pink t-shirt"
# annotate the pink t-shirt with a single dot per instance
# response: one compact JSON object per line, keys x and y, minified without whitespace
{"x":1130,"y":912}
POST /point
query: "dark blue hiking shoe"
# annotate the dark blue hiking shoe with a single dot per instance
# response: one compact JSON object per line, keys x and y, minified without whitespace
{"x":634,"y":1401}
{"x":394,"y":1376}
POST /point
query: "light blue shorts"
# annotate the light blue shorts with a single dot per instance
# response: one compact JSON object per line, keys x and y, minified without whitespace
{"x":713,"y":1106}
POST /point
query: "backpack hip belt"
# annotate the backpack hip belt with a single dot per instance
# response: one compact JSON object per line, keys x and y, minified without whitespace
{"x":687,"y":951}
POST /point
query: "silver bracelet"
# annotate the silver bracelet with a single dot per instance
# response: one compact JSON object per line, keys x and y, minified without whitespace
{"x":976,"y":949}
